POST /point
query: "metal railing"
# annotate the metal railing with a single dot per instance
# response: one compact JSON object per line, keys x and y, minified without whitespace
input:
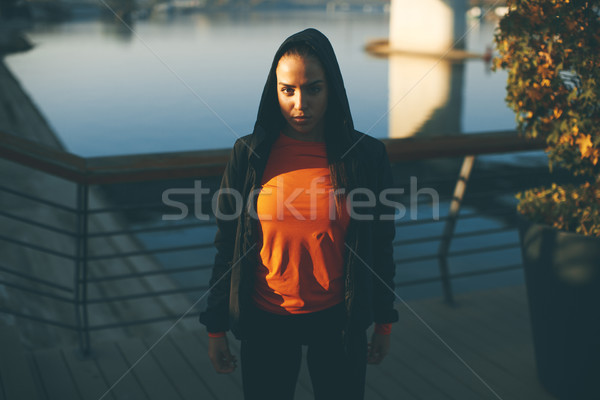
{"x":89,"y":174}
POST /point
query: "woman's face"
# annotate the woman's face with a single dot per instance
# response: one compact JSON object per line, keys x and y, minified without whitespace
{"x":302,"y":95}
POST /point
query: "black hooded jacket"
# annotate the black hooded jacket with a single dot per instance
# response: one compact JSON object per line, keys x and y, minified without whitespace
{"x":369,"y":266}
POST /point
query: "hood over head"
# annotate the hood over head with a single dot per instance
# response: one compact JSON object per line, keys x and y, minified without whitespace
{"x":340,"y":133}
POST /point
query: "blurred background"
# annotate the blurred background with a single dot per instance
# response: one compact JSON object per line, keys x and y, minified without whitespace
{"x":121,"y":77}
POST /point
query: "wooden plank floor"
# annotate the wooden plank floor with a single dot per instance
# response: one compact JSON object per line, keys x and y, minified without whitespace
{"x":478,"y":349}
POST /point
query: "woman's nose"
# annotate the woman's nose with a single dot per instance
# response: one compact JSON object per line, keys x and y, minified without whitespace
{"x":301,"y":100}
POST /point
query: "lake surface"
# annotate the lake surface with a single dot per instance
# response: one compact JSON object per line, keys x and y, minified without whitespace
{"x":189,"y":82}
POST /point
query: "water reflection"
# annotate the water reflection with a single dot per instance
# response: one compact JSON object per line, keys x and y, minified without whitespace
{"x":425,"y":88}
{"x":425,"y":96}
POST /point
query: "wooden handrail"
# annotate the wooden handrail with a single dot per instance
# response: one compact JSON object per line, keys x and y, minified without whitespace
{"x":41,"y":157}
{"x":421,"y":148}
{"x":156,"y":166}
{"x":209,"y":163}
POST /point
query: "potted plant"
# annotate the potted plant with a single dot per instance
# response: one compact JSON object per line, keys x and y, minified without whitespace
{"x":551,"y":50}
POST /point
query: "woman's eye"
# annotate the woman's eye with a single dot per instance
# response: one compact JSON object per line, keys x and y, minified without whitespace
{"x":287,"y":90}
{"x":315,"y":90}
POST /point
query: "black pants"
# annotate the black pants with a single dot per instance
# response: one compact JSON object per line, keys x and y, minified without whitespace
{"x":272,"y":354}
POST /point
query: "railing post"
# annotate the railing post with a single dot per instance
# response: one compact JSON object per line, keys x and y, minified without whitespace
{"x":457,"y":198}
{"x":81,"y":312}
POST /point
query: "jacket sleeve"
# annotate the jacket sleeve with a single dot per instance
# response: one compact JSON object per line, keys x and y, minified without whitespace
{"x":384,"y":231}
{"x":216,"y":315}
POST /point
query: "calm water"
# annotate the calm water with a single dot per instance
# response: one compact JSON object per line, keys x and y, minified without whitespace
{"x":192,"y":82}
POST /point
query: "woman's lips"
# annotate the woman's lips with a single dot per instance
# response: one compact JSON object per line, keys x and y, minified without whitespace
{"x":301,"y":120}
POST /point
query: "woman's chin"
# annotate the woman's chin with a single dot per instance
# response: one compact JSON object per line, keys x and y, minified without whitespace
{"x":303,"y":132}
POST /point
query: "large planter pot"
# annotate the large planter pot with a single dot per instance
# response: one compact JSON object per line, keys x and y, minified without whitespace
{"x":562,"y":275}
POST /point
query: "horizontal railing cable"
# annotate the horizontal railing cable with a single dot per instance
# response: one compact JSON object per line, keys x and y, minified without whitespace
{"x":449,"y":197}
{"x":37,"y":247}
{"x":38,"y":199}
{"x":169,"y":227}
{"x":458,"y":275}
{"x":140,"y":206}
{"x":164,"y":271}
{"x":46,"y":321}
{"x":479,"y":214}
{"x":486,"y":249}
{"x":426,"y":239}
{"x":457,"y":253}
{"x":143,"y":321}
{"x":486,"y":271}
{"x":150,"y":251}
{"x":137,"y":296}
{"x":477,"y":177}
{"x":42,"y":225}
{"x":35,"y":291}
{"x":35,"y":279}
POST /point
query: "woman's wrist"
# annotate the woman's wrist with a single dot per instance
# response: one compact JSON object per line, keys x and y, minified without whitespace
{"x":383,"y":329}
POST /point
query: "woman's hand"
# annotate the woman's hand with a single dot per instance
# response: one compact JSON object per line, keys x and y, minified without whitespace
{"x":378,"y":348}
{"x":218,"y":351}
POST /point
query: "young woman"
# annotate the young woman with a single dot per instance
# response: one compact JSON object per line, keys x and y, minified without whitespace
{"x":306,"y":259}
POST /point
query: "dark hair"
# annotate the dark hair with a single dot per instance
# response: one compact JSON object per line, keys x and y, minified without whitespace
{"x":300,"y":49}
{"x":338,"y":138}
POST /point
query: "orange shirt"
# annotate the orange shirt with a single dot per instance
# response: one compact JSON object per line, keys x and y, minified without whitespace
{"x":301,"y":265}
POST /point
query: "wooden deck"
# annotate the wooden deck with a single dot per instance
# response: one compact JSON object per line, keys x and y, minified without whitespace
{"x":480,"y":349}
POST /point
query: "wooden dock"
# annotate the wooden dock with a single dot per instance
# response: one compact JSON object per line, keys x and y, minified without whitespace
{"x":479,"y":349}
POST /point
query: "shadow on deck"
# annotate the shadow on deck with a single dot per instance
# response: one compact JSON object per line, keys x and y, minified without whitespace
{"x":478,"y":349}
